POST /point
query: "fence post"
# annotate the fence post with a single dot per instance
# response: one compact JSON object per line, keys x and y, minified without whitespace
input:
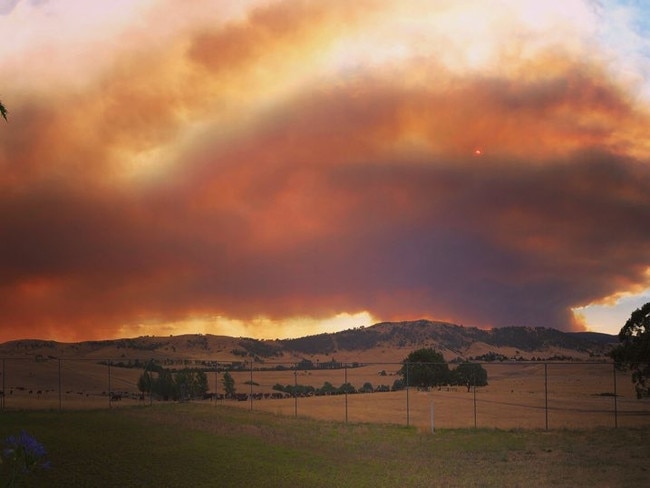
{"x":4,"y":374}
{"x":251,"y":395}
{"x":60,"y":404}
{"x":475,"y":421}
{"x":149,"y":370}
{"x":109,"y":384}
{"x":615,"y":398}
{"x":546,"y":393}
{"x":345,"y":383}
{"x":408,"y":412}
{"x":216,"y":382}
{"x":295,"y":390}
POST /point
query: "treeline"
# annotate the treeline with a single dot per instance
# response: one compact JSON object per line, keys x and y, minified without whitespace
{"x":427,"y":367}
{"x":182,"y":385}
{"x":328,"y":389}
{"x":209,"y":366}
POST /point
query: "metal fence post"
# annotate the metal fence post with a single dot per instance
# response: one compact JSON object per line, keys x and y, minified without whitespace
{"x":149,"y":371}
{"x":216,"y":381}
{"x":109,"y":384}
{"x":251,"y":395}
{"x":546,"y":393}
{"x":60,"y":404}
{"x":615,"y":398}
{"x":295,"y":390}
{"x":474,"y":394}
{"x":4,"y":374}
{"x":408,"y":412}
{"x":345,"y":383}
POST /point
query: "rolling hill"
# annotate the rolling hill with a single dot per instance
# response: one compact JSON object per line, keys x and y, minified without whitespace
{"x":383,"y":342}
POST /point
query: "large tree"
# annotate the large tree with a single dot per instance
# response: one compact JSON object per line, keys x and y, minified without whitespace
{"x":3,"y":111}
{"x":228,"y":385}
{"x":424,"y":368}
{"x":633,"y":352}
{"x":191,"y":384}
{"x":164,"y":385}
{"x":145,"y":382}
{"x":469,"y":374}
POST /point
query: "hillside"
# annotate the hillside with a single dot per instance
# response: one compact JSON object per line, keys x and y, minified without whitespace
{"x":383,"y":342}
{"x":456,"y":341}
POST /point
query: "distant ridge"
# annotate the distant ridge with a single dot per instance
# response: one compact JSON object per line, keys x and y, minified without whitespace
{"x":386,"y":341}
{"x":596,"y":337}
{"x":453,"y":338}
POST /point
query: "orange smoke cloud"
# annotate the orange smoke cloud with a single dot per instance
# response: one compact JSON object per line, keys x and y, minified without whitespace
{"x":212,"y":176}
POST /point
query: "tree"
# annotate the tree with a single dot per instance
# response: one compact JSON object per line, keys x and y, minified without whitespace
{"x":228,"y":385}
{"x":164,"y":385}
{"x":191,"y":384}
{"x":470,"y":374}
{"x":327,"y":389}
{"x":3,"y":111}
{"x":200,"y":383}
{"x":145,"y":382}
{"x":633,"y":352}
{"x":347,"y":388}
{"x":305,"y":364}
{"x":424,"y":368}
{"x":366,"y":388}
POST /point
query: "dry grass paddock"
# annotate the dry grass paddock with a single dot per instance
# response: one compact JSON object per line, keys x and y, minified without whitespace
{"x":528,"y":395}
{"x":566,"y":395}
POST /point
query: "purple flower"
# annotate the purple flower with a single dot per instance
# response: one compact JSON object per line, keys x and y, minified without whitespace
{"x":23,"y":454}
{"x":27,"y":443}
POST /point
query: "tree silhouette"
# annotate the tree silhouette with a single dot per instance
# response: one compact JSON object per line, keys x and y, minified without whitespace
{"x":634,"y":350}
{"x":228,"y":385}
{"x":424,"y":368}
{"x":470,"y":374}
{"x":3,"y":111}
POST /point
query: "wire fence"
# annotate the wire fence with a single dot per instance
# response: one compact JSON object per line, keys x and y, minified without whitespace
{"x":525,"y":394}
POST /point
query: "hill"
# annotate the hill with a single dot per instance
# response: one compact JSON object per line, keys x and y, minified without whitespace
{"x":383,"y":342}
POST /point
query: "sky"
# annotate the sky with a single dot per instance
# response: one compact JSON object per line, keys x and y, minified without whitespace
{"x":282,"y":168}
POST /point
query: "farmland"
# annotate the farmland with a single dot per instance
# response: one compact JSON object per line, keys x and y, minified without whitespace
{"x":542,"y":422}
{"x":189,"y":444}
{"x":518,"y":395}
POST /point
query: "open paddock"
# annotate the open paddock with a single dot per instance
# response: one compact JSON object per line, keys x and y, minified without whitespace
{"x":530,"y":395}
{"x":518,"y":395}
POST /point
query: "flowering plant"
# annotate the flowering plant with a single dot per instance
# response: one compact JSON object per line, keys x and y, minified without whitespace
{"x":22,"y":455}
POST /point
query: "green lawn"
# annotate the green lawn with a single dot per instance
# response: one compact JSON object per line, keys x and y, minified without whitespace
{"x":179,"y":445}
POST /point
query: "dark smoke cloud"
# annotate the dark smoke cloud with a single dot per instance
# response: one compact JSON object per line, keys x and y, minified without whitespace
{"x":366,"y":195}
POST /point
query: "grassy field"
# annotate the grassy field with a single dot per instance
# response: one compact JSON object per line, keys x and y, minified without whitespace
{"x":196,"y":445}
{"x":525,"y":395}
